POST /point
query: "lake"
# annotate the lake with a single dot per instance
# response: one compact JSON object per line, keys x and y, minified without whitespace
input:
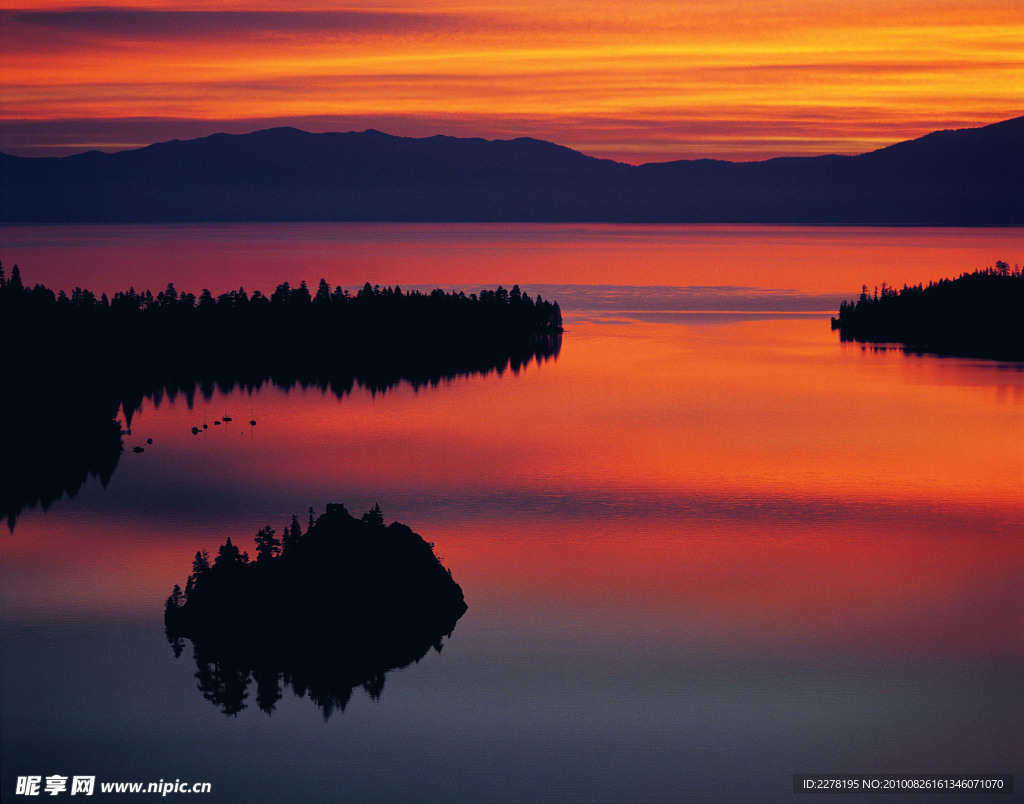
{"x":705,"y":547}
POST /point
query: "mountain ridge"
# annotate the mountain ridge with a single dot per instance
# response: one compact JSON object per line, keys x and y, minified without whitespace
{"x":953,"y":177}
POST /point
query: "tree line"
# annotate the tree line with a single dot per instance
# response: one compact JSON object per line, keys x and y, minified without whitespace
{"x":978,"y":314}
{"x":171,"y":336}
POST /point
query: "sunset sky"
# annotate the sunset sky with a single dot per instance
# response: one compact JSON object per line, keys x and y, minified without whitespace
{"x":643,"y":81}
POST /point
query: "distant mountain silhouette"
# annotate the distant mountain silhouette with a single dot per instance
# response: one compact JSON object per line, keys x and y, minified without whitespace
{"x":963,"y":177}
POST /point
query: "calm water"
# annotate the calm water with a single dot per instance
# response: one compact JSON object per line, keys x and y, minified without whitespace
{"x":705,"y":548}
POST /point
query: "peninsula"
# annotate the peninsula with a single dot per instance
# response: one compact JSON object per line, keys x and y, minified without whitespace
{"x":974,"y":315}
{"x":83,"y":358}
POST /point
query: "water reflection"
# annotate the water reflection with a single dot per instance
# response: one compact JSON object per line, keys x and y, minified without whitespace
{"x":328,"y":676}
{"x":52,"y":441}
{"x":700,"y":559}
{"x":58,"y":429}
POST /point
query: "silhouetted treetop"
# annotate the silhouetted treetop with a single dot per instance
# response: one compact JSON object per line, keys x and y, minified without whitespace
{"x":974,"y":315}
{"x":291,"y":327}
{"x":372,"y":308}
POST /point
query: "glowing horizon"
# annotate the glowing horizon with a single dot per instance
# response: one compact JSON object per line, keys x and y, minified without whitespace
{"x":645,"y":82}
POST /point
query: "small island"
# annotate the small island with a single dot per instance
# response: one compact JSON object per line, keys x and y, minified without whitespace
{"x":976,"y":315}
{"x":324,"y":611}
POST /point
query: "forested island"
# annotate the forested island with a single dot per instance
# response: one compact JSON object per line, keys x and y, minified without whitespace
{"x":323,"y":611}
{"x":980,"y":314}
{"x":71,"y":363}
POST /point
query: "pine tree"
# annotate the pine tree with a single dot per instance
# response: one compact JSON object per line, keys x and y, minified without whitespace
{"x":229,"y":554}
{"x":176,"y":600}
{"x":374,"y":516}
{"x":291,"y":536}
{"x":267,"y":544}
{"x":200,"y":564}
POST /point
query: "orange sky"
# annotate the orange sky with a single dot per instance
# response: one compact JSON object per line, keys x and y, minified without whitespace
{"x":649,"y":80}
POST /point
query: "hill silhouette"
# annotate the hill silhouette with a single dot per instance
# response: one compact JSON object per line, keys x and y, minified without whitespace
{"x":963,"y":177}
{"x":323,"y":611}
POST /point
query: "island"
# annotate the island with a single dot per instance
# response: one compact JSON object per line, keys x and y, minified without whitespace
{"x":84,"y":359}
{"x":975,"y":315}
{"x":324,"y":611}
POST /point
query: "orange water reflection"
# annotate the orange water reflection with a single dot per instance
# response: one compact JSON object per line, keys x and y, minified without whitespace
{"x":826,"y":590}
{"x":746,"y":481}
{"x":751,"y":409}
{"x":224,"y":257}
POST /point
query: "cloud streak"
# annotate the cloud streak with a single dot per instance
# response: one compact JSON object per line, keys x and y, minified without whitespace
{"x":643,"y":81}
{"x":167,"y":25}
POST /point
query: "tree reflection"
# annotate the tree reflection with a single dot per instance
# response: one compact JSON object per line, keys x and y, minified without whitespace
{"x":53,"y":439}
{"x":227,"y":674}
